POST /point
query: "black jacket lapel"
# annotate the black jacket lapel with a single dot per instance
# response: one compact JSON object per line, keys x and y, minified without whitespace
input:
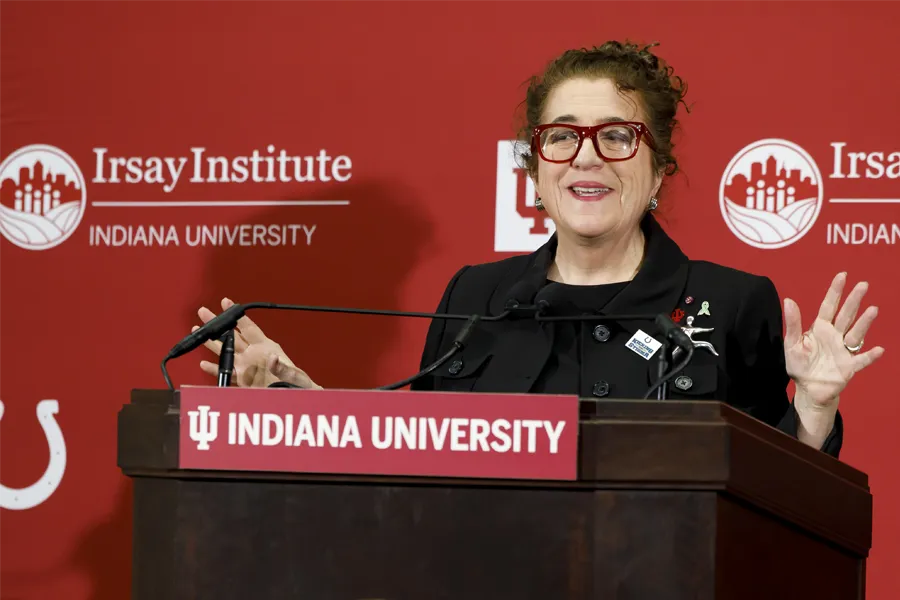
{"x":524,"y":345}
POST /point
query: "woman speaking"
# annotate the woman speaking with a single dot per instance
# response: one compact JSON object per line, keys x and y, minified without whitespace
{"x":598,"y":128}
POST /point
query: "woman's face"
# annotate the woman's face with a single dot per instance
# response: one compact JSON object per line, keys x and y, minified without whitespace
{"x":587,"y":196}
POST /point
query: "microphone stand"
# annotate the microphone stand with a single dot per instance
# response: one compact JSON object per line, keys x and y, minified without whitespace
{"x":226,"y":358}
{"x":662,"y":365}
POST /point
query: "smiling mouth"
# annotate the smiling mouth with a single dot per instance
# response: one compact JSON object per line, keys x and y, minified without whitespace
{"x":589,"y":193}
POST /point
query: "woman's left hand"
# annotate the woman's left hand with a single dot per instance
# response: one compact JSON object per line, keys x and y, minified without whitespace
{"x":819,"y":360}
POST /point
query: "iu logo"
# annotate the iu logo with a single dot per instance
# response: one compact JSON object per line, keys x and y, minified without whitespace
{"x":204,"y":426}
{"x":771,"y":194}
{"x":518,"y":226}
{"x":42,"y":197}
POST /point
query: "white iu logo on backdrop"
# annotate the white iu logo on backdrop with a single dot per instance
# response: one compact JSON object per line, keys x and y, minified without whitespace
{"x":518,"y":226}
{"x":43,"y":488}
{"x":42,"y":197}
{"x":771,"y":193}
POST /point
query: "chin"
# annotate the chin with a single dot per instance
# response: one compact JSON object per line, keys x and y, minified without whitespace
{"x":591,"y":227}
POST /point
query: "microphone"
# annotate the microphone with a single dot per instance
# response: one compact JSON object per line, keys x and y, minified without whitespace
{"x":227,"y":320}
{"x":459,"y":342}
{"x":518,"y":305}
{"x":226,"y":358}
{"x":518,"y":299}
{"x":673,"y":332}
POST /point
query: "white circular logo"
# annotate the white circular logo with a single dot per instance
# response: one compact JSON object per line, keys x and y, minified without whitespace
{"x":42,"y":197}
{"x":771,"y":193}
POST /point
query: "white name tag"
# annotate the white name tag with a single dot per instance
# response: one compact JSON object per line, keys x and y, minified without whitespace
{"x":643,"y":344}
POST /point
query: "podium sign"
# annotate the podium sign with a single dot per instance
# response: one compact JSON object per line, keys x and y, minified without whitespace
{"x":502,"y":436}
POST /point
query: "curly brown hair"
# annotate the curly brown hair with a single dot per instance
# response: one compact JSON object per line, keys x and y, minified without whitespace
{"x":634,"y":69}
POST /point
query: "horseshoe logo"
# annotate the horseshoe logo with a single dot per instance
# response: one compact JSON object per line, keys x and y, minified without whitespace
{"x":43,"y":488}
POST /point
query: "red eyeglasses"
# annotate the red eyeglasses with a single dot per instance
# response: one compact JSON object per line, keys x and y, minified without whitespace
{"x":615,"y":141}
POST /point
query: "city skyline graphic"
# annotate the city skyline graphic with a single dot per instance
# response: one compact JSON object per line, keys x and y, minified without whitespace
{"x":42,"y":197}
{"x":771,"y":194}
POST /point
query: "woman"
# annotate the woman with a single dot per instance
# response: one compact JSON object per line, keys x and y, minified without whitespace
{"x":599,"y":125}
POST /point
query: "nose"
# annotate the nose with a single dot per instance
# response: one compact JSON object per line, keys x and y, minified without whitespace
{"x":587,"y":156}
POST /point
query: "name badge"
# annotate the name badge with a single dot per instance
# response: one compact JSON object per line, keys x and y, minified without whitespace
{"x":643,"y":344}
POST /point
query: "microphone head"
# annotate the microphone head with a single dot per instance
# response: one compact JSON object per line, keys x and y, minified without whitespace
{"x":549,"y":296}
{"x":212,"y":329}
{"x":518,"y":300}
{"x":520,"y":294}
{"x":673,"y":332}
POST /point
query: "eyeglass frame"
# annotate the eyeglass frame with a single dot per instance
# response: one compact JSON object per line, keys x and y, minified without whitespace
{"x":641,"y":130}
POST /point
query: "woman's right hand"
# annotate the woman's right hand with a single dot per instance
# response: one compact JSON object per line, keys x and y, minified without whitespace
{"x":258,"y":360}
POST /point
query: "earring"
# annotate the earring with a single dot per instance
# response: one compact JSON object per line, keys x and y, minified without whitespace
{"x":653,"y":203}
{"x":538,"y":204}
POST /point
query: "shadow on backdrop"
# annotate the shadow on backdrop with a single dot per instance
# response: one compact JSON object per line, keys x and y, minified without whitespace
{"x":104,"y":552}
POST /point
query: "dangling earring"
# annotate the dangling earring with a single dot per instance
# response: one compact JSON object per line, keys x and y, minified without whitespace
{"x":653,"y":202}
{"x":538,"y":204}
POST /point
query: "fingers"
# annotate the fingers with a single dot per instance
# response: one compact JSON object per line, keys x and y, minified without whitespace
{"x":859,"y":330}
{"x":209,"y":368}
{"x":832,"y":298}
{"x":793,"y":324}
{"x":249,"y":330}
{"x":240,"y":344}
{"x":861,"y":361}
{"x":212,"y":369}
{"x":216,"y":346}
{"x":850,"y":308}
{"x":289,"y":374}
{"x":205,"y":314}
{"x":213,"y":345}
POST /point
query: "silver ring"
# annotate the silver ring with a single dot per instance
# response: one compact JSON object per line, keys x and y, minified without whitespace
{"x":854,"y":349}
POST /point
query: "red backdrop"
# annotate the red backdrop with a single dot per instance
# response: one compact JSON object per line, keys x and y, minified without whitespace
{"x":417,"y":98}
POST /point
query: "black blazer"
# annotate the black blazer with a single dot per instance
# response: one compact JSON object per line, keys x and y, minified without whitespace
{"x":512,"y":356}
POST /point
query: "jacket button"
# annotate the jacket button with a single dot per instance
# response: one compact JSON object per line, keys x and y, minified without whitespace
{"x":683,"y":382}
{"x":601,"y":333}
{"x":601,"y":388}
{"x":456,"y":366}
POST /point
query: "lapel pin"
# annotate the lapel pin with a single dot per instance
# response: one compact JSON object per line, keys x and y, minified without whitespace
{"x":677,"y":315}
{"x":704,"y":309}
{"x":690,"y":330}
{"x":689,"y":300}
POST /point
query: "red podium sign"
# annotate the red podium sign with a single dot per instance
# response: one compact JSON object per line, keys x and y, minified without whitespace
{"x":506,"y":436}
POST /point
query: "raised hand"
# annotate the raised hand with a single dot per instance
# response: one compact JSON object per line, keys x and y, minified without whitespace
{"x":258,"y":360}
{"x":824,"y":358}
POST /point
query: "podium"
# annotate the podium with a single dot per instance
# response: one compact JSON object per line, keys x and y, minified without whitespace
{"x":668,"y":500}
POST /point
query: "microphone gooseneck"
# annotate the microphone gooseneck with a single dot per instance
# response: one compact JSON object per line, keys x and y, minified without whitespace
{"x":216,"y":327}
{"x":678,"y":367}
{"x":537,"y":307}
{"x":459,"y":342}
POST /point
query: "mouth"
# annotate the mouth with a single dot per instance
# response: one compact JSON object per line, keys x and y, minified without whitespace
{"x":589,"y":192}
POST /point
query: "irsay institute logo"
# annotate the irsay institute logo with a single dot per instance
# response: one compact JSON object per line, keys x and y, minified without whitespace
{"x":42,"y":197}
{"x":771,"y":193}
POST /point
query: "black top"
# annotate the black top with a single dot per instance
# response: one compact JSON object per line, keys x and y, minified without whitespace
{"x":564,"y":372}
{"x":742,"y":363}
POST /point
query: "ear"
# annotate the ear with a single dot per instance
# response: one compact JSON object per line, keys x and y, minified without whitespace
{"x":658,"y":177}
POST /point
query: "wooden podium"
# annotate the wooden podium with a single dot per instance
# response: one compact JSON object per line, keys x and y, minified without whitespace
{"x":673,"y":500}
